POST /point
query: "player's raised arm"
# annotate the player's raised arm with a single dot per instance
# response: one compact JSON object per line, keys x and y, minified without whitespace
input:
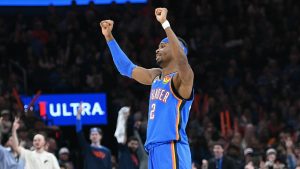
{"x":183,"y":81}
{"x":122,"y":62}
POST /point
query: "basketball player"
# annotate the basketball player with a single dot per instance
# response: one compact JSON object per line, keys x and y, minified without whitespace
{"x":170,"y":98}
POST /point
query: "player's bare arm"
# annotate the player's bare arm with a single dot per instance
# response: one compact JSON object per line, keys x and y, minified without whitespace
{"x":183,"y":80}
{"x":140,"y":74}
{"x":145,"y":76}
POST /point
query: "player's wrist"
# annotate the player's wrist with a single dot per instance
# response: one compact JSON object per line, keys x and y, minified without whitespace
{"x":109,"y":37}
{"x":166,"y":24}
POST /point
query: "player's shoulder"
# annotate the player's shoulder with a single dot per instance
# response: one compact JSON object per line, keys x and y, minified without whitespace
{"x":155,"y":73}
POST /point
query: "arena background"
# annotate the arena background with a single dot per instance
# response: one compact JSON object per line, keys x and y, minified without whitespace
{"x":244,"y":53}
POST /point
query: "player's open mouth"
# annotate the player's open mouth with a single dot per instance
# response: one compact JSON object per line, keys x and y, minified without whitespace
{"x":157,"y":57}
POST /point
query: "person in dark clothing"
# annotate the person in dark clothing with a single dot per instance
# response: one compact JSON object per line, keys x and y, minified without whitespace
{"x":127,"y":156}
{"x":95,"y":155}
{"x":220,"y":161}
{"x":234,"y":152}
{"x":248,"y":157}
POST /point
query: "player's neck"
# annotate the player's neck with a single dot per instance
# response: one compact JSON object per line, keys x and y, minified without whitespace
{"x":167,"y":70}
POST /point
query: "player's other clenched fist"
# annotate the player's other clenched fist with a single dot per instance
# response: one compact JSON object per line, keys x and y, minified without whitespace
{"x":106,"y":27}
{"x":161,"y":14}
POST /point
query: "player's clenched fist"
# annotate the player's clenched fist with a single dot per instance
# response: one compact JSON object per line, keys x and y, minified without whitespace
{"x":106,"y":27}
{"x":161,"y":14}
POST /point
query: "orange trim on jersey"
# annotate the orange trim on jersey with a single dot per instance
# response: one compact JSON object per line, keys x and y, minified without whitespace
{"x":177,"y":110}
{"x":173,"y":156}
{"x":177,"y":118}
{"x":173,"y":91}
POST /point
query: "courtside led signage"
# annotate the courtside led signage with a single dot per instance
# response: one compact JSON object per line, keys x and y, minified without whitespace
{"x":61,"y":109}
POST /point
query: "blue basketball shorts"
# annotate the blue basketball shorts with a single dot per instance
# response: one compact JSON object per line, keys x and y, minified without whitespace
{"x":172,"y":155}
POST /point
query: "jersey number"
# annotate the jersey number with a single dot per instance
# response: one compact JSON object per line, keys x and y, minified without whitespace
{"x":152,"y":111}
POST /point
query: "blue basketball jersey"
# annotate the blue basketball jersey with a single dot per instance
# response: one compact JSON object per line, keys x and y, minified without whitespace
{"x":168,"y":114}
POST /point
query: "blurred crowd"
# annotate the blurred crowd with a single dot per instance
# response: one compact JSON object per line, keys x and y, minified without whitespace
{"x":245,"y":55}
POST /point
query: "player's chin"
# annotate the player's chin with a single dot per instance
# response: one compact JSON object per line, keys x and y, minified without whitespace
{"x":158,"y":62}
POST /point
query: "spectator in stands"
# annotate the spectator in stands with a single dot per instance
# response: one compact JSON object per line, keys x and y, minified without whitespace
{"x":51,"y":145}
{"x":291,"y":159}
{"x":271,"y":161}
{"x":204,"y":164}
{"x":6,"y":123}
{"x":248,"y":157}
{"x":9,"y":159}
{"x":129,"y":149}
{"x":38,"y":158}
{"x":220,"y":161}
{"x":64,"y":157}
{"x":95,"y":155}
{"x":297,"y":153}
